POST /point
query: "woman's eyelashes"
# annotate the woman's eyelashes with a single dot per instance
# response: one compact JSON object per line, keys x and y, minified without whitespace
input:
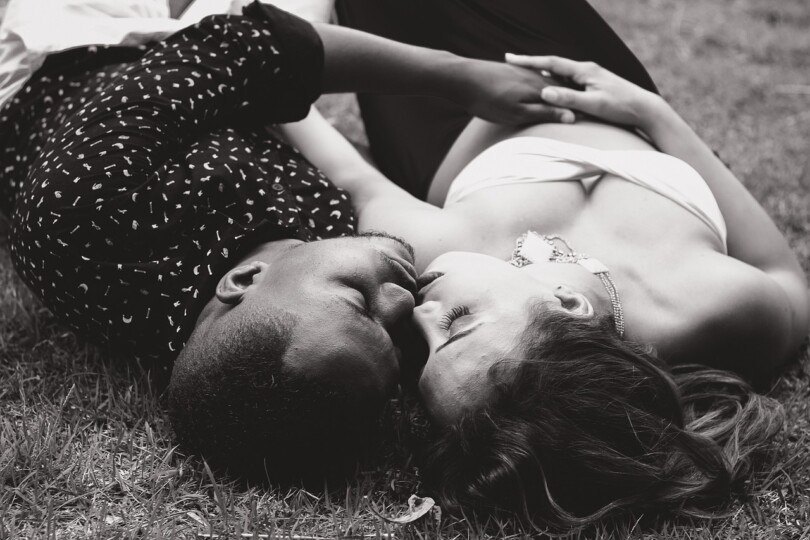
{"x":448,"y":318}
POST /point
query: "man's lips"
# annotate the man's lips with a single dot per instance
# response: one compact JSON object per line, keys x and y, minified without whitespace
{"x":404,"y":272}
{"x":425,"y":280}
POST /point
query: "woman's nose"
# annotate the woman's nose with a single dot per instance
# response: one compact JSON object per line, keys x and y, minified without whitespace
{"x":425,"y":316}
{"x":392,"y":304}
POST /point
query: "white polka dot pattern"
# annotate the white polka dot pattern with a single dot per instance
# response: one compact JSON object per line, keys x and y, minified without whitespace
{"x":135,"y":178}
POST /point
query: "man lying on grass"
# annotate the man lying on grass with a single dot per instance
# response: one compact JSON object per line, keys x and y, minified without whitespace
{"x":150,"y":210}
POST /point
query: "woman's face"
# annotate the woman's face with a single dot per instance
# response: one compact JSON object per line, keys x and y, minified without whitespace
{"x":472,"y":316}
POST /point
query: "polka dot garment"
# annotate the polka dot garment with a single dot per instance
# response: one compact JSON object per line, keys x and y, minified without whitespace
{"x":135,"y":177}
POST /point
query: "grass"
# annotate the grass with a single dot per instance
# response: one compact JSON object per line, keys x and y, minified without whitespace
{"x":85,"y":449}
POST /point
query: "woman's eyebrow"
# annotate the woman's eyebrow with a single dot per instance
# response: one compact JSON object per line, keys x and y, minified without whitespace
{"x":459,"y":335}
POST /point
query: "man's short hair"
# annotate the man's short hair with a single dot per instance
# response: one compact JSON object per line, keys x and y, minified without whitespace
{"x":233,"y":402}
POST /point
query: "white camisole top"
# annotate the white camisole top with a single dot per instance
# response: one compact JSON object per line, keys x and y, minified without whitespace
{"x":529,"y":160}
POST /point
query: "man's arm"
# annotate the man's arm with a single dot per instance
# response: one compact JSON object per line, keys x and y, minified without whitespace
{"x":355,"y":61}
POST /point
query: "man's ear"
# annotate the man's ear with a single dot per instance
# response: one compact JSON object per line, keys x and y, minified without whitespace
{"x":574,"y":302}
{"x":233,"y":285}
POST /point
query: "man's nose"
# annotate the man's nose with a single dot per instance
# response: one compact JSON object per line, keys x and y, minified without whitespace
{"x":393,"y":303}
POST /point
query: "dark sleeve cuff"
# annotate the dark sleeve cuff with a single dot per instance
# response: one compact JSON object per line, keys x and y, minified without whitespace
{"x":298,"y":82}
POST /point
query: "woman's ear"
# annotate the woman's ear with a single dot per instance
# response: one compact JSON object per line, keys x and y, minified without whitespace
{"x":233,"y":285}
{"x":574,"y":302}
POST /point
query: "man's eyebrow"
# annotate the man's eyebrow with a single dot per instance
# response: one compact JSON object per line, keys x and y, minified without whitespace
{"x":459,"y":335}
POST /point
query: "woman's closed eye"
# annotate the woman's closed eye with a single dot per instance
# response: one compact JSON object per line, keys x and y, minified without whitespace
{"x":447,"y":320}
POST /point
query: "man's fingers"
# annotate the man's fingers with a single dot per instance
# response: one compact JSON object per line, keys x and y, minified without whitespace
{"x":566,"y":97}
{"x":555,"y":64}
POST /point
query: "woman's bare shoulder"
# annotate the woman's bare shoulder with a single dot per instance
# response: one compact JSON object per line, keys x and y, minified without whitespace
{"x":727,"y":314}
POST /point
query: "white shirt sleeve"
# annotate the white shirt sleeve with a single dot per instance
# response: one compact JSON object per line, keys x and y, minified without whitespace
{"x":32,"y":29}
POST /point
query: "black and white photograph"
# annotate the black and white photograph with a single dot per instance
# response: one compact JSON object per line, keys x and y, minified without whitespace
{"x":404,"y":269}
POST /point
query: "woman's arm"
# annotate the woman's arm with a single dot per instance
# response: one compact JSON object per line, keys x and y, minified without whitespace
{"x":753,"y":238}
{"x":328,"y":150}
{"x":380,"y":204}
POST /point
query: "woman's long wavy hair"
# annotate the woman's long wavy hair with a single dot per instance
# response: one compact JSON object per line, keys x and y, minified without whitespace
{"x":585,"y":424}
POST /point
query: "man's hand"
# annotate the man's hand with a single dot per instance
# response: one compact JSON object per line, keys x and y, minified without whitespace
{"x":355,"y":61}
{"x":506,"y":94}
{"x":604,"y":94}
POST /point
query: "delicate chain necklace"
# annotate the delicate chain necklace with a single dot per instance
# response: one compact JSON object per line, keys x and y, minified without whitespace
{"x":532,"y":247}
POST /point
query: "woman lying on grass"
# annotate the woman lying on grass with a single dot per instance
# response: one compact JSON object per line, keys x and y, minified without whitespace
{"x":565,"y":386}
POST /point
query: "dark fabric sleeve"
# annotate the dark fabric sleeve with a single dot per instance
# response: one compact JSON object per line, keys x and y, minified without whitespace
{"x":262,"y":67}
{"x":299,"y":81}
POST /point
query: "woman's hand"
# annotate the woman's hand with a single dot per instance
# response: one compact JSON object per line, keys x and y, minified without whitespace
{"x":604,"y":94}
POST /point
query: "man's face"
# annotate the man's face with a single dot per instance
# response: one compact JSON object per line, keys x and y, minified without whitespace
{"x":347,"y":295}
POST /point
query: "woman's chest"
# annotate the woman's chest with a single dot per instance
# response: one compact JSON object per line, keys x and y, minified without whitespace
{"x":596,"y":215}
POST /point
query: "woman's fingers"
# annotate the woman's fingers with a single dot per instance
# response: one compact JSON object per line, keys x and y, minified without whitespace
{"x":601,"y":93}
{"x":555,"y":64}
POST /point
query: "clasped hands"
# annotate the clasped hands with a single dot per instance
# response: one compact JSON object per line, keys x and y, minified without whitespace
{"x":538,"y":89}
